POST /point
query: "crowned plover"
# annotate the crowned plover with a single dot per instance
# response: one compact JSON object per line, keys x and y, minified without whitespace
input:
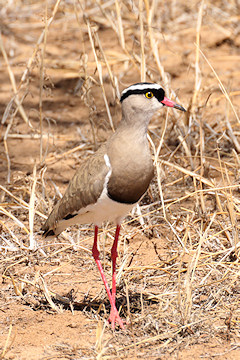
{"x":109,"y":184}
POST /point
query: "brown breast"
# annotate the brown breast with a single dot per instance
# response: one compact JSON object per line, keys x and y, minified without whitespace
{"x":132,"y":168}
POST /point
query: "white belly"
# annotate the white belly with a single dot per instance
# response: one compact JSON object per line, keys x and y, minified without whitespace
{"x":103,"y":210}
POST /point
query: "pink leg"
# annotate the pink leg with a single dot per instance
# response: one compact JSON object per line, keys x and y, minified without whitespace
{"x":95,"y":253}
{"x":114,"y":256}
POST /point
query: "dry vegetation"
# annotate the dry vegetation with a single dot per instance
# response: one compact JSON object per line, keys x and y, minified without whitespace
{"x":62,"y":65}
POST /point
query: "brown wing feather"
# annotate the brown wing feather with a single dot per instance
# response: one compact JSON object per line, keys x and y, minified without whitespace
{"x":84,"y":189}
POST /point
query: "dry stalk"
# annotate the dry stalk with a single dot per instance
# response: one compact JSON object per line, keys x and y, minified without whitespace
{"x":190,"y":276}
{"x":222,"y":87}
{"x":122,"y":267}
{"x":39,"y":41}
{"x":7,"y":346}
{"x":66,"y":153}
{"x":100,"y":347}
{"x":14,"y":237}
{"x":214,"y":189}
{"x":195,"y":97}
{"x":41,"y":77}
{"x":162,"y":337}
{"x":120,"y":26}
{"x":87,"y":96}
{"x":27,"y":70}
{"x":198,"y":78}
{"x":178,"y":238}
{"x":5,"y":137}
{"x":6,"y":150}
{"x":32,"y":242}
{"x":143,"y":61}
{"x":17,"y":289}
{"x":20,"y":201}
{"x":11,"y":216}
{"x":128,"y":301}
{"x":99,"y":67}
{"x":130,"y":55}
{"x":48,"y":297}
{"x":106,"y":16}
{"x":186,"y":148}
{"x":230,"y":131}
{"x":14,"y":86}
{"x":6,"y":270}
{"x":105,"y":59}
{"x":190,"y":173}
{"x":154,"y":46}
{"x":232,"y":214}
{"x":114,"y":81}
{"x":156,"y":162}
{"x":231,"y":93}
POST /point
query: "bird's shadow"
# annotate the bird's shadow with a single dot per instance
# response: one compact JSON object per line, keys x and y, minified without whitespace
{"x":67,"y":302}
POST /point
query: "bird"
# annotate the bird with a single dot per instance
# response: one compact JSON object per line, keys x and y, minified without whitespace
{"x":109,"y":183}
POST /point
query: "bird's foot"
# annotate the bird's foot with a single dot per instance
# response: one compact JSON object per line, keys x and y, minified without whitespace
{"x":115,"y":318}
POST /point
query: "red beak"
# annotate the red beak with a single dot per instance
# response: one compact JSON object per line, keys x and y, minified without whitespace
{"x":170,"y":103}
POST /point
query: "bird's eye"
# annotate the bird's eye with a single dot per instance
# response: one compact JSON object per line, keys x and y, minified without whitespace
{"x":149,"y":95}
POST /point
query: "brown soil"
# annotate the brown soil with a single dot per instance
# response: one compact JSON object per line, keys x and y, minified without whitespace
{"x":178,"y":303}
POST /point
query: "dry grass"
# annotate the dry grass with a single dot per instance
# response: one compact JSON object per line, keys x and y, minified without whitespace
{"x":178,"y":282}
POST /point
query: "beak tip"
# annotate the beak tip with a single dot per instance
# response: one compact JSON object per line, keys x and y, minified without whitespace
{"x":179,"y":107}
{"x":170,"y":103}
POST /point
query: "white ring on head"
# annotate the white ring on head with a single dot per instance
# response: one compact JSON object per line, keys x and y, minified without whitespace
{"x":142,"y":87}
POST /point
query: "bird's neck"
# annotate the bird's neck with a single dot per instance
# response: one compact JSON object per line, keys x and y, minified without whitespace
{"x":135,"y":122}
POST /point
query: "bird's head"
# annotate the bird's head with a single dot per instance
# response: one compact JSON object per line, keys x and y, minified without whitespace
{"x":145,"y":98}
